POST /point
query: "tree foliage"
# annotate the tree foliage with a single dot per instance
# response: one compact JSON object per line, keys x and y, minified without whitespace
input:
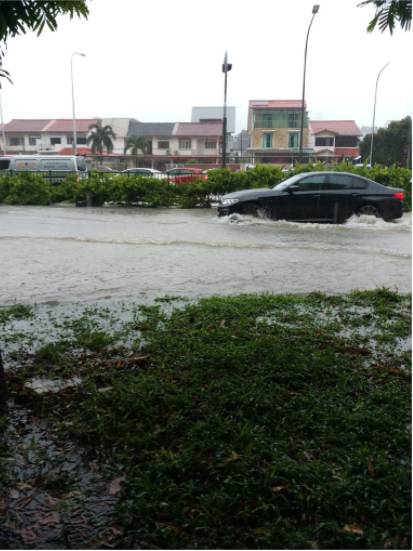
{"x":19,"y":16}
{"x":392,"y":145}
{"x":136,"y":144}
{"x":101,"y":137}
{"x":388,"y":12}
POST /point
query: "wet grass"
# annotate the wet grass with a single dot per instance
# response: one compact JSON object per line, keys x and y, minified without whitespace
{"x":257,"y":421}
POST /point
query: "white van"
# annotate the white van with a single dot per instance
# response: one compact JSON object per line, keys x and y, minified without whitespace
{"x":53,"y":167}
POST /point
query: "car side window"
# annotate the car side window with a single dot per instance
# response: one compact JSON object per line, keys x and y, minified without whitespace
{"x":311,"y":183}
{"x":336,"y":182}
{"x":344,"y":181}
{"x":358,"y":183}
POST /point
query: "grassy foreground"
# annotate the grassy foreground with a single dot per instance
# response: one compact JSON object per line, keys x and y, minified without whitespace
{"x":258,"y":421}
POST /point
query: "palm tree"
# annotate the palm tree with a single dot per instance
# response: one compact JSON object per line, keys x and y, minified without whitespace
{"x":136,"y":144}
{"x":388,"y":12}
{"x":101,"y":137}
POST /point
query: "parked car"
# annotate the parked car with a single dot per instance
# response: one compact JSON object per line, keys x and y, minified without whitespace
{"x":317,"y":197}
{"x":148,"y":172}
{"x":184,"y":175}
{"x":102,"y":168}
{"x":53,"y":167}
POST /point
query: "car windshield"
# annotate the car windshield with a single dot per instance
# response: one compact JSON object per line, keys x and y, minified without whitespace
{"x":283,"y":185}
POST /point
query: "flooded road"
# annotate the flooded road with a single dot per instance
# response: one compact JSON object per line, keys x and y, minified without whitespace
{"x":66,"y":254}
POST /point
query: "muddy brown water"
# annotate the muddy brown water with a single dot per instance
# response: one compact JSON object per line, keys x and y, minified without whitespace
{"x":69,"y":254}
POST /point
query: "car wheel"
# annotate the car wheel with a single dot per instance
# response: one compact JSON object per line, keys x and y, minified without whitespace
{"x":250,"y":209}
{"x":370,"y":210}
{"x":254,"y":209}
{"x":264,"y":212}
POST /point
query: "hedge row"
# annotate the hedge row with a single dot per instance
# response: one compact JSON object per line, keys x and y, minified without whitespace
{"x":33,"y":189}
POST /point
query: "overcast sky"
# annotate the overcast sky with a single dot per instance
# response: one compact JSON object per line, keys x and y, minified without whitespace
{"x":154,"y":60}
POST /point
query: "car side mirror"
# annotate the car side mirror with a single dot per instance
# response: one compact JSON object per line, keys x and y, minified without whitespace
{"x":292,"y":188}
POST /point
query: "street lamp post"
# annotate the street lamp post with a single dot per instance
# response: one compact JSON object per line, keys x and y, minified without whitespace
{"x":374,"y":115}
{"x":73,"y":101}
{"x":315,"y":10}
{"x":225,"y":68}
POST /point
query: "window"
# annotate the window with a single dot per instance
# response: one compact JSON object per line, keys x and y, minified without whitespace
{"x":80,"y":140}
{"x":293,"y":120}
{"x":33,"y":140}
{"x":293,"y":139}
{"x":163,"y":144}
{"x":16,"y":141}
{"x":344,"y":181}
{"x":264,"y":120}
{"x":210,"y":144}
{"x":346,"y":141}
{"x":266,"y":140}
{"x":311,"y":183}
{"x":324,"y":141}
{"x":267,"y":120}
{"x":185,"y":143}
{"x":55,"y":141}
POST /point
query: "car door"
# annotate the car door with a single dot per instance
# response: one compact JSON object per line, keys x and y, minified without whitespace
{"x":339,"y":196}
{"x":301,"y":200}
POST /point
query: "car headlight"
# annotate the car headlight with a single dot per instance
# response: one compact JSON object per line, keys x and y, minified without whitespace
{"x":229,"y":202}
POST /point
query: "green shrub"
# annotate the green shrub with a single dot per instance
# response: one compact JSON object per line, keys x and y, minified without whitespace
{"x":133,"y":190}
{"x":146,"y":191}
{"x":25,"y":189}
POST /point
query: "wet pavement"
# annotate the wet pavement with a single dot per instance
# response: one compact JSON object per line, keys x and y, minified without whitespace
{"x":66,"y":254}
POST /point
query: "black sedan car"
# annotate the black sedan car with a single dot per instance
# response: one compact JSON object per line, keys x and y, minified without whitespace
{"x":317,"y":197}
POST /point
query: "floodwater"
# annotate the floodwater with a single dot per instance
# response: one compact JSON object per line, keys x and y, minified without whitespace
{"x":68,"y":254}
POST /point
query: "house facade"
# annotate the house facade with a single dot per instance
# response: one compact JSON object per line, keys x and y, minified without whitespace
{"x":274,"y":129}
{"x":45,"y":135}
{"x":181,"y":139}
{"x":334,"y":139}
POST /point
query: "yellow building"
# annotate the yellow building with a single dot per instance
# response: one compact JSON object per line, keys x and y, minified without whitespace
{"x":274,"y":129}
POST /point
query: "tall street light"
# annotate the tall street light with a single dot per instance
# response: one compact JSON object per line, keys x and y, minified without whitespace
{"x":225,"y":68}
{"x":374,"y":115}
{"x":315,"y":10}
{"x":73,"y":101}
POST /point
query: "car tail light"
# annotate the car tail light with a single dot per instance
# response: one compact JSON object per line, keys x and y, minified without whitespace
{"x":399,"y":195}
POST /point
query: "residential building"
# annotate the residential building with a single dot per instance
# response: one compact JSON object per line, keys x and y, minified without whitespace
{"x":181,"y":139}
{"x":45,"y":135}
{"x":158,"y":134}
{"x":274,"y":129}
{"x":334,"y":139}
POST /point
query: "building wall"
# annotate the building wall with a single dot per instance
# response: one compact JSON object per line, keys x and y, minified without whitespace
{"x":120,"y":127}
{"x":197,"y":146}
{"x":43,"y":142}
